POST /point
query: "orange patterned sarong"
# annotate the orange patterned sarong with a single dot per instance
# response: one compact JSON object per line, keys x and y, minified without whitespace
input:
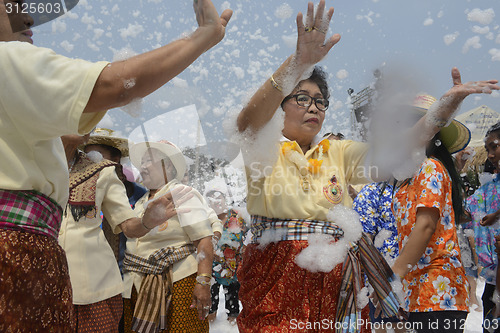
{"x":278,"y":296}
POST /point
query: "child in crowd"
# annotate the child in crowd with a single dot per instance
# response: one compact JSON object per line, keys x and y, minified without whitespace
{"x":228,"y":253}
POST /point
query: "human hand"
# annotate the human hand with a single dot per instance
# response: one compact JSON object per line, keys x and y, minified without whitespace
{"x":163,"y":208}
{"x":209,"y":21}
{"x":311,"y":45}
{"x":202,"y":300}
{"x":497,"y":244}
{"x":459,"y":91}
{"x":489,"y":219}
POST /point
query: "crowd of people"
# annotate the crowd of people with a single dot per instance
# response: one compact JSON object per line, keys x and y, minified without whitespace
{"x":86,"y":248}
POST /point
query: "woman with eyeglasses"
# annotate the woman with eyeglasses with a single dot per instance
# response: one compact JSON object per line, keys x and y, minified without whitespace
{"x":302,"y":199}
{"x":276,"y":293}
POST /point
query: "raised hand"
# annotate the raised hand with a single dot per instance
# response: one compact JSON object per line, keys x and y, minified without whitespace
{"x":312,"y":42}
{"x":443,"y":110}
{"x":208,"y":19}
{"x":461,"y":90}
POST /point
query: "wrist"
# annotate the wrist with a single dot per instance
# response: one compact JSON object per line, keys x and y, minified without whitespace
{"x":204,"y":279}
{"x":144,"y":225}
{"x":205,"y":38}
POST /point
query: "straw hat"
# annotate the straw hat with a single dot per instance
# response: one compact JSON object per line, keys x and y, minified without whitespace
{"x":455,"y":136}
{"x":107,"y":137}
{"x":138,"y":150}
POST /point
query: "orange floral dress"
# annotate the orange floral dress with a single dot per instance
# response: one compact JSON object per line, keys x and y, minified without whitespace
{"x":437,"y":282}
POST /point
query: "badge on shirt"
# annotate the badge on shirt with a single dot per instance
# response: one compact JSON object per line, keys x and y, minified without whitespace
{"x":333,"y":191}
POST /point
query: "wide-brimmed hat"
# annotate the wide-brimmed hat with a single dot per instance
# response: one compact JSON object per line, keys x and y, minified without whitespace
{"x":108,"y":137}
{"x":138,"y":150}
{"x":456,"y":136}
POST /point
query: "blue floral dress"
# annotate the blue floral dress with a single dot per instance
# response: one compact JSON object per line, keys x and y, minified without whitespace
{"x":485,"y":200}
{"x":375,"y":213}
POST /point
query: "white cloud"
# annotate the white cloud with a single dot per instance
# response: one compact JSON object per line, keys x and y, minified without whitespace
{"x":483,"y":17}
{"x":131,"y":31}
{"x":67,"y":46}
{"x":480,"y":30}
{"x":451,"y":38}
{"x":342,"y":74}
{"x":473,"y":42}
{"x":428,"y":21}
{"x":284,"y":11}
{"x":495,"y":54}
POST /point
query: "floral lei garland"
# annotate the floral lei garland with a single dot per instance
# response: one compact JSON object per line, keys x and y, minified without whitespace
{"x":291,"y":150}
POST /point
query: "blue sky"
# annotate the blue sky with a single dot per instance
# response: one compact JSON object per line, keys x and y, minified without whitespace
{"x":427,"y":38}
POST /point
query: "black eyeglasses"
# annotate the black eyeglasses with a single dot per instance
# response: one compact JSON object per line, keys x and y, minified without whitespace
{"x":306,"y":101}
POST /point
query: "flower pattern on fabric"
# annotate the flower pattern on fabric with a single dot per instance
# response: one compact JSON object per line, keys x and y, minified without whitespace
{"x":437,"y":282}
{"x":374,"y":209}
{"x":485,"y":200}
{"x":229,"y":249}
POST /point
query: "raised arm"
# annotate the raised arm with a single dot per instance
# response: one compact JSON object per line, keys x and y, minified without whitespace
{"x":153,"y":69}
{"x":443,"y":110}
{"x":312,"y":47}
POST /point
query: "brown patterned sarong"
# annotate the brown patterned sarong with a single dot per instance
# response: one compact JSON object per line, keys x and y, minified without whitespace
{"x":35,"y":289}
{"x":180,"y":317}
{"x":103,"y":316}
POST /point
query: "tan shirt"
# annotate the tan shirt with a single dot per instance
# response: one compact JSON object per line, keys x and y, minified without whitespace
{"x":93,"y":269}
{"x":42,"y":97}
{"x":200,"y":222}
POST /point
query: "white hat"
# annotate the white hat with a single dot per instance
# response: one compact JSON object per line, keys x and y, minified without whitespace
{"x":138,"y":150}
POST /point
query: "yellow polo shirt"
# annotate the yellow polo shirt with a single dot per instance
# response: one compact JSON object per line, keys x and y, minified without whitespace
{"x":42,"y":97}
{"x":200,"y":222}
{"x":289,"y":193}
{"x":93,"y":269}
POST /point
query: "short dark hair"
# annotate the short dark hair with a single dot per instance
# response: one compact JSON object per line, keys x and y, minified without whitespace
{"x":494,"y":129}
{"x":318,"y":76}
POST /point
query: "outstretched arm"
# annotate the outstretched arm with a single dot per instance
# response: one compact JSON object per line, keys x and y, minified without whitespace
{"x":153,"y":69}
{"x":448,"y":104}
{"x":312,"y":47}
